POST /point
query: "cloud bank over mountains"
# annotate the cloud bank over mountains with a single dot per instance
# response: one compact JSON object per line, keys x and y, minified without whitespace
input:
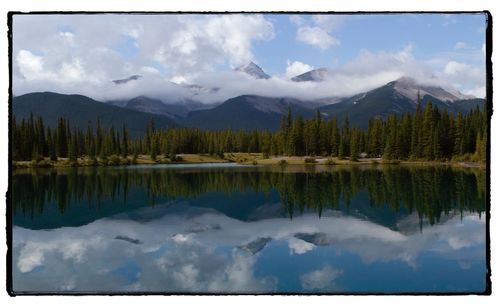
{"x":82,"y":54}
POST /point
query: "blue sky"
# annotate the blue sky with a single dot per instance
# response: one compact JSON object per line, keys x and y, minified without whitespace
{"x":431,"y":35}
{"x":82,"y":53}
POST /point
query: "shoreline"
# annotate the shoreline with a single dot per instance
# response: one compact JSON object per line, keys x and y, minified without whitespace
{"x":241,"y":158}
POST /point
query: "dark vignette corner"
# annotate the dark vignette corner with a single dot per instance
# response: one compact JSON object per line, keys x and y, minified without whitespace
{"x":8,"y":194}
{"x":489,"y":109}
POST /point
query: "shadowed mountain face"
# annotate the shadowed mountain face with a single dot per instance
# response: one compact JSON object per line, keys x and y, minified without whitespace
{"x":176,"y":111}
{"x":397,"y":97}
{"x":151,"y":105}
{"x":82,"y":111}
{"x":248,"y":112}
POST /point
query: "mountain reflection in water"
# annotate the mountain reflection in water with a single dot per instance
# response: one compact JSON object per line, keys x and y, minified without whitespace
{"x":249,"y":229}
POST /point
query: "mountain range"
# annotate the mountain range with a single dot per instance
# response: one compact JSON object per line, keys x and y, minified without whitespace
{"x":82,"y":111}
{"x":398,"y":97}
{"x":245,"y":112}
{"x":248,"y":112}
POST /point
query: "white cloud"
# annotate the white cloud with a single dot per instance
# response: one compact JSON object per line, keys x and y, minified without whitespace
{"x":187,"y":275}
{"x":177,"y":45}
{"x":454,"y":68}
{"x":457,"y":243}
{"x":317,"y":37}
{"x":33,"y":253}
{"x":478,"y":92}
{"x":72,"y":71}
{"x":68,"y":36}
{"x":317,"y":30}
{"x":181,"y":238}
{"x":294,"y":68}
{"x":298,"y":246}
{"x":30,"y":65}
{"x":29,"y":258}
{"x":179,"y":79}
{"x":234,"y":33}
{"x":133,"y":31}
{"x":33,"y":68}
{"x":320,"y":279}
{"x":465,"y":77}
{"x":193,"y":45}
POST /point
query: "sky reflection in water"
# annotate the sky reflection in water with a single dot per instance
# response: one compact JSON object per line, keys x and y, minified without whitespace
{"x":182,"y":245}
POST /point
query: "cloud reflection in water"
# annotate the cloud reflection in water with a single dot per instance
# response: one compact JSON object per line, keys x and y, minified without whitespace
{"x":211,"y":252}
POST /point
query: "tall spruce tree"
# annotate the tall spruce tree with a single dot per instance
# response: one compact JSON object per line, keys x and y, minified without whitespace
{"x":125,"y":139}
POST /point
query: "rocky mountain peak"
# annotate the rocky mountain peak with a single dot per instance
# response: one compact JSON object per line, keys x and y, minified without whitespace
{"x":253,"y":70}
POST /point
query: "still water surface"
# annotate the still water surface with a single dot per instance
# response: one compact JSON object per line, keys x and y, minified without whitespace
{"x":238,"y":229}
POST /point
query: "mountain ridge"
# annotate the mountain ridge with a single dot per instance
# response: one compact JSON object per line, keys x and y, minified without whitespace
{"x":82,"y":110}
{"x":248,"y":112}
{"x":390,"y":98}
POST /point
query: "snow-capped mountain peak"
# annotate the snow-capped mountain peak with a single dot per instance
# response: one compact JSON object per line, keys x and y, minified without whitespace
{"x":253,"y":70}
{"x":409,"y":88}
{"x":316,"y":75}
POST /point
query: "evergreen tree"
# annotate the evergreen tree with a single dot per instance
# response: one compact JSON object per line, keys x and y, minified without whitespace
{"x":416,"y":133}
{"x":344,"y":138}
{"x":296,"y":144}
{"x":40,"y":137}
{"x":458,"y":148}
{"x":62,"y":138}
{"x":51,"y":145}
{"x":154,"y":147}
{"x":354,"y":145}
{"x":427,"y":133}
{"x":72,"y":153}
{"x":335,"y":142}
{"x":125,"y":139}
{"x":99,"y":138}
{"x":391,"y":150}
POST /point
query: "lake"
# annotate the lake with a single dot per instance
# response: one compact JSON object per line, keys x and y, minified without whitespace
{"x":228,"y":228}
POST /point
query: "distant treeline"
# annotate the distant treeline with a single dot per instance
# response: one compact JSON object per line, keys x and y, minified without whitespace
{"x":427,"y":134}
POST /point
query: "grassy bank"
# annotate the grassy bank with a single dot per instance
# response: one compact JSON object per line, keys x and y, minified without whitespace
{"x":242,"y":158}
{"x":119,"y":161}
{"x":332,"y":161}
